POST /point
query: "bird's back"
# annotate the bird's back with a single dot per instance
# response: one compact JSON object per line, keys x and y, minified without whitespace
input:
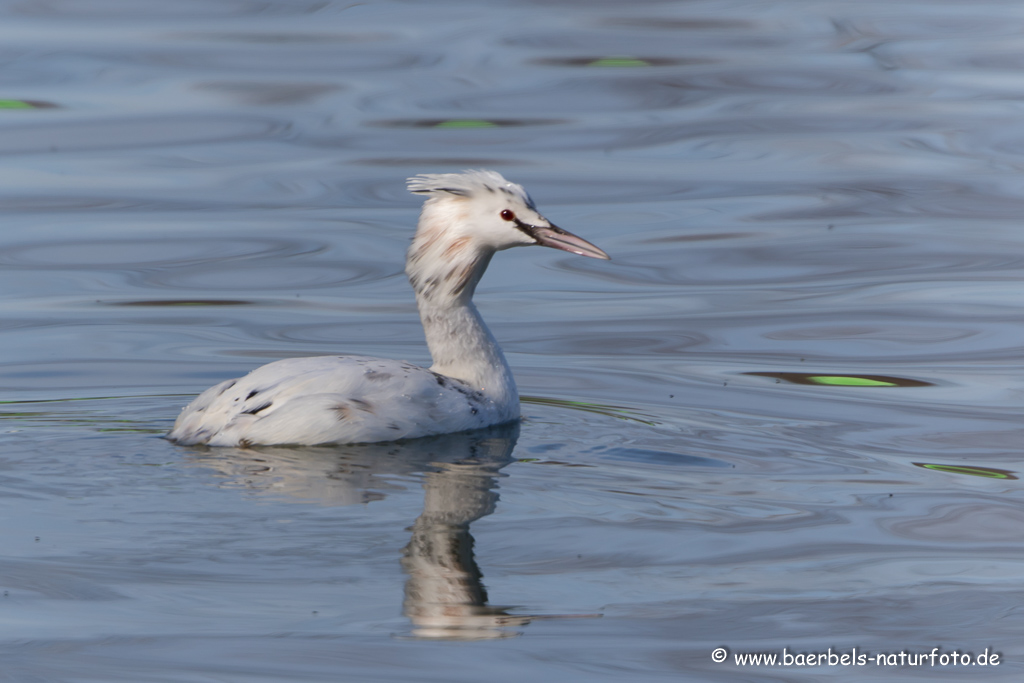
{"x":335,"y":399}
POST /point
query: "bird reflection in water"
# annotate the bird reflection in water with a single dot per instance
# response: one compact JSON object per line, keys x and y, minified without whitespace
{"x":444,"y":594}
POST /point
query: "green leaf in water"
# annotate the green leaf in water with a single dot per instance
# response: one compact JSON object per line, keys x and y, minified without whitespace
{"x":619,"y":62}
{"x":843,"y":380}
{"x":986,"y":472}
{"x":599,"y":408}
{"x":15,"y":104}
{"x":466,"y":123}
{"x":849,"y":381}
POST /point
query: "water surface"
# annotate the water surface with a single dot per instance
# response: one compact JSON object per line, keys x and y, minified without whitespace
{"x":787,"y":414}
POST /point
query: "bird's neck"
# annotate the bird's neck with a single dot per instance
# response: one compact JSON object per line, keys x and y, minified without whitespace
{"x":460,"y":344}
{"x":462,"y":347}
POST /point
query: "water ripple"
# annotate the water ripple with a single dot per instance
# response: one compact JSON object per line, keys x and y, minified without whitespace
{"x":137,"y":132}
{"x":102,"y":254}
{"x":257,"y":277}
{"x":180,"y":9}
{"x":797,"y":383}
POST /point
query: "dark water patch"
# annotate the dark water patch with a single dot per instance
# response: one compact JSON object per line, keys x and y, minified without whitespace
{"x":970,"y":470}
{"x":619,"y":62}
{"x":458,"y":123}
{"x":653,"y":457}
{"x":837,"y":380}
{"x":136,"y":132}
{"x":181,"y":302}
{"x":106,"y":254}
{"x":271,"y":93}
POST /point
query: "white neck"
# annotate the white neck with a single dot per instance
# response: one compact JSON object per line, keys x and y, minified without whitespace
{"x":444,"y":275}
{"x":462,"y":347}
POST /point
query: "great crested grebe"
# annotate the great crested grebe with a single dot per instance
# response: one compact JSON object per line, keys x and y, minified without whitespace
{"x":359,"y":399}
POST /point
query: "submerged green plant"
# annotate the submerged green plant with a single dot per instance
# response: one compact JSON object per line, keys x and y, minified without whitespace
{"x":986,"y":472}
{"x":848,"y":381}
{"x":619,"y":62}
{"x":466,"y":123}
{"x":617,"y":412}
{"x":818,"y":379}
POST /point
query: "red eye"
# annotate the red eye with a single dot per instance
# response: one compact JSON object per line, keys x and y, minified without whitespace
{"x":508,"y":215}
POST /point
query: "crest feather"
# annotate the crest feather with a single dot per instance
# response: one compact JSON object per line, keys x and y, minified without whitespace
{"x":465,"y":184}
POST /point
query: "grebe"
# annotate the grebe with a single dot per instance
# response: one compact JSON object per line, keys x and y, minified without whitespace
{"x":358,"y":399}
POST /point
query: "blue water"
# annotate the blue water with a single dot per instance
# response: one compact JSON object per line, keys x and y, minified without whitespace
{"x":787,"y":414}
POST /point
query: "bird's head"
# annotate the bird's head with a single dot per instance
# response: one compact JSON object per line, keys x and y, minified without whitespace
{"x":483,"y":210}
{"x":466,"y":218}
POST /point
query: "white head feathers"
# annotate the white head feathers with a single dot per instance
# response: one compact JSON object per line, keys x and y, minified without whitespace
{"x":467,"y":184}
{"x":466,"y":219}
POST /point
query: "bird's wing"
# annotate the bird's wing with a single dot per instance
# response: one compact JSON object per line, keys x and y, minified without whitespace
{"x":330,"y":399}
